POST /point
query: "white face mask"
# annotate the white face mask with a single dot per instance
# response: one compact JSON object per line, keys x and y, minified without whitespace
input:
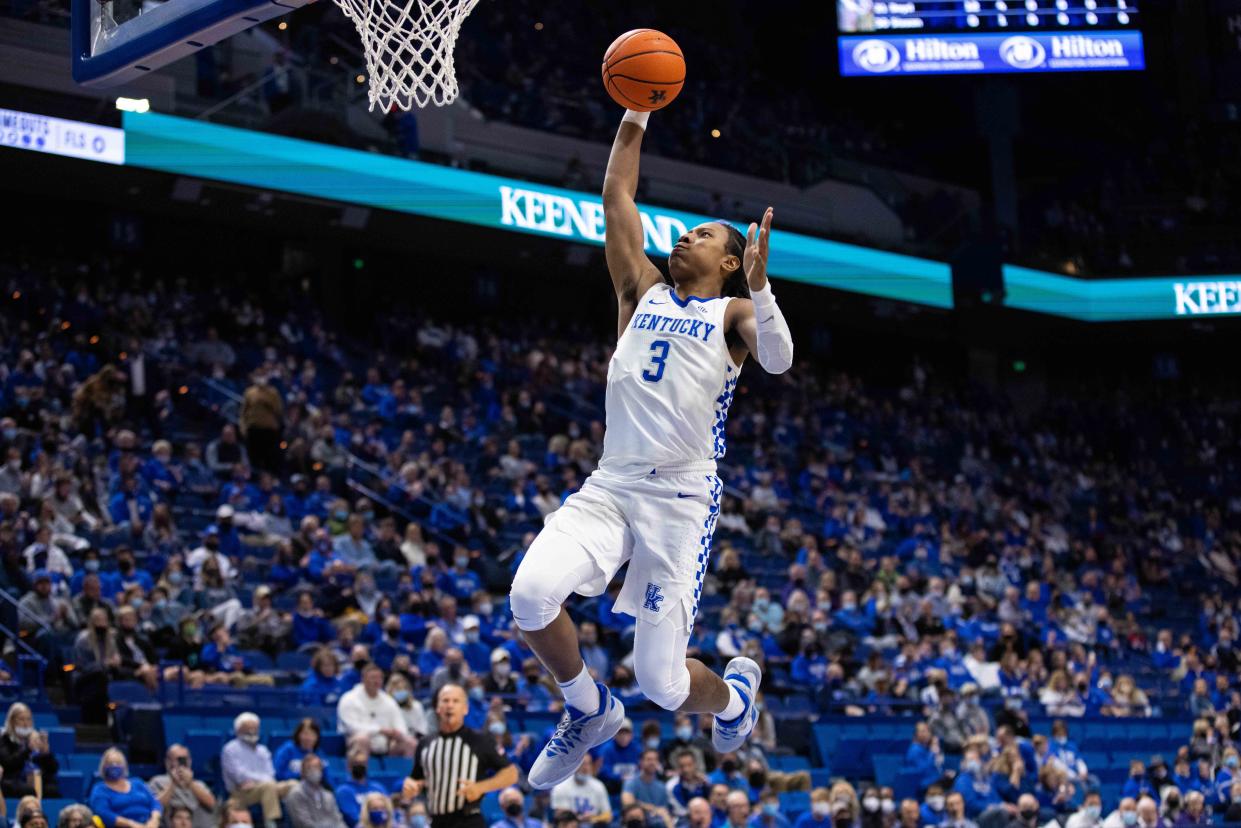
{"x":23,"y":732}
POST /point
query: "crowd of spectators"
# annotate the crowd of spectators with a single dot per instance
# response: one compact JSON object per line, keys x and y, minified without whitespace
{"x":926,"y":551}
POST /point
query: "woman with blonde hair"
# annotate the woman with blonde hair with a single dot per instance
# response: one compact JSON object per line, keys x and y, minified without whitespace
{"x":402,"y":693}
{"x":122,"y":802}
{"x":24,"y":754}
{"x":1007,"y":773}
{"x":376,"y":811}
{"x":1128,"y":699}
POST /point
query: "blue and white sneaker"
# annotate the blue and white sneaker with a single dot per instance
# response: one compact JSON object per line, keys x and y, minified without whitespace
{"x":745,"y":675}
{"x":576,"y":734}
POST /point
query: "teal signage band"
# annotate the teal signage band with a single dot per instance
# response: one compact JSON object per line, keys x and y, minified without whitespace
{"x":177,"y":145}
{"x":1121,"y":300}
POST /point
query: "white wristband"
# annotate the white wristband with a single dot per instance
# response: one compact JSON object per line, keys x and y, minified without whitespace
{"x":763,"y":297}
{"x":639,"y":119}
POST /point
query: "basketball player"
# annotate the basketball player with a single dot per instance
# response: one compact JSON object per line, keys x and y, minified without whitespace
{"x":655,"y":497}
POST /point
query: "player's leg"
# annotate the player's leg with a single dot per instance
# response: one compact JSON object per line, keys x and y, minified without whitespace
{"x":580,"y":550}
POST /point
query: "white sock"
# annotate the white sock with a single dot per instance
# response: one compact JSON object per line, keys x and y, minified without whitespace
{"x":581,"y":692}
{"x":736,"y":704}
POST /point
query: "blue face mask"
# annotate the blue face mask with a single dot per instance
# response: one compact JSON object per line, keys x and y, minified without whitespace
{"x":91,"y":565}
{"x":341,"y":514}
{"x":378,"y":817}
{"x":113,"y":772}
{"x":401,"y":696}
{"x":1231,"y":762}
{"x":418,"y":821}
{"x":771,"y":809}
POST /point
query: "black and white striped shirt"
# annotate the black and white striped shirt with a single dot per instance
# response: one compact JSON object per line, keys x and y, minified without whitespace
{"x":447,"y":759}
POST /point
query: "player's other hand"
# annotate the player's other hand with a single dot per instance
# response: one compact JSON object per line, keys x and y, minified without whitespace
{"x":410,"y":789}
{"x":755,"y":258}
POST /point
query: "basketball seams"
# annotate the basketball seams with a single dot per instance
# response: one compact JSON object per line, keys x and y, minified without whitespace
{"x":643,"y":106}
{"x":647,"y":80}
{"x":625,"y":38}
{"x":612,"y":64}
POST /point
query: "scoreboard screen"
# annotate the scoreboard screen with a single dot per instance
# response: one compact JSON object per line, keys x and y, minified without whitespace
{"x":931,"y":37}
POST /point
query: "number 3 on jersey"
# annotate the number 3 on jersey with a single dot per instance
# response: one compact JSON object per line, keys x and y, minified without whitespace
{"x":659,"y":355}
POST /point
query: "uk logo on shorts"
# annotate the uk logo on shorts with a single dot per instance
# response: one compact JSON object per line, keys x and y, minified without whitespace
{"x":654,"y":596}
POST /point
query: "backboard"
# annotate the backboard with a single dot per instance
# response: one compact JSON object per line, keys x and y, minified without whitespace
{"x":116,"y":41}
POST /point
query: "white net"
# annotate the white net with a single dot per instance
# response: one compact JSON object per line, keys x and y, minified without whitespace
{"x":408,"y":46}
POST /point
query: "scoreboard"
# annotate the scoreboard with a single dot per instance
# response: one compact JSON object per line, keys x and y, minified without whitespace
{"x":921,"y":37}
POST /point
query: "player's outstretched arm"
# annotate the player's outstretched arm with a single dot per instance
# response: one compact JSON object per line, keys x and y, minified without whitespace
{"x":759,"y":322}
{"x":632,"y":272}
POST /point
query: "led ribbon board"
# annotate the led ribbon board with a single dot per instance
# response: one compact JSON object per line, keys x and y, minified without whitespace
{"x":1120,"y":300}
{"x":185,"y":147}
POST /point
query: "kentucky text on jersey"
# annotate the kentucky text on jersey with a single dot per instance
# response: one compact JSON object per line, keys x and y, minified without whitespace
{"x":695,"y":328}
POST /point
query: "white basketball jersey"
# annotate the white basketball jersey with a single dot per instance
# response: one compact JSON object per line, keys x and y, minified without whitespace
{"x":670,"y":383}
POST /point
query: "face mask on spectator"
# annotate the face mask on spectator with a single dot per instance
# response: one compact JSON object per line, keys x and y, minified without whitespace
{"x":1092,"y":812}
{"x":497,"y":728}
{"x":401,"y":696}
{"x":91,"y":565}
{"x":936,"y":803}
{"x":821,"y":809}
{"x":502,"y":670}
{"x":1129,"y":817}
{"x":771,"y":809}
{"x":1029,"y":814}
{"x":472,"y":636}
{"x":314,"y":776}
{"x":652,"y":743}
{"x":870,"y":803}
{"x":357,"y":771}
{"x":23,"y":732}
{"x":359,"y":663}
{"x":635,"y":823}
{"x":485,"y":609}
{"x":462,"y":561}
{"x":113,"y":772}
{"x":250,"y":738}
{"x":418,"y":821}
{"x":685,"y":733}
{"x":971,"y":766}
{"x":379,"y":817}
{"x":580,"y":778}
{"x":887,"y":806}
{"x":513,"y":809}
{"x":757,"y":779}
{"x":476,"y":692}
{"x":1230,"y":761}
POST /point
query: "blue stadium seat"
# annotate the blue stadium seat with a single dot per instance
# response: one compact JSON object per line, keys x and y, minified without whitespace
{"x":61,"y":740}
{"x":128,"y":691}
{"x":293,"y":661}
{"x":72,"y":784}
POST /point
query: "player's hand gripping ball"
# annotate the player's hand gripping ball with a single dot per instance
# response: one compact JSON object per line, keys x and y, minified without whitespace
{"x":643,"y":70}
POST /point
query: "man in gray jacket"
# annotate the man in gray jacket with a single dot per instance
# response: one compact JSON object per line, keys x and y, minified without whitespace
{"x":310,"y":805}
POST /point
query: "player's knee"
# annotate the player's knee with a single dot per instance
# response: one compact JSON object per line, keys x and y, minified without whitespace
{"x":533,"y":605}
{"x":668,"y":688}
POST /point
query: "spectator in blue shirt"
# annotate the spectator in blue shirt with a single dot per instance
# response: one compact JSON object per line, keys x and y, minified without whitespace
{"x":310,"y":627}
{"x":289,"y":756}
{"x":974,"y":784}
{"x":769,"y":815}
{"x":460,"y":582}
{"x":128,"y":573}
{"x":932,"y":808}
{"x":689,"y":783}
{"x":477,"y":653}
{"x":351,"y":794}
{"x":220,"y":655}
{"x":130,"y":506}
{"x":117,"y":797}
{"x":391,"y":644}
{"x":820,"y":813}
{"x":1229,"y":771}
{"x":646,"y":788}
{"x":923,"y":758}
{"x":352,"y":547}
{"x":322,"y":684}
{"x":619,"y":758}
{"x":1138,"y":785}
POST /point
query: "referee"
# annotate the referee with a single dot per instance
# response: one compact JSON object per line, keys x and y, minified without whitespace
{"x":458,"y":767}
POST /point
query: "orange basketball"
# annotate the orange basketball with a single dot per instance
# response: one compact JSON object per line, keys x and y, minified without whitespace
{"x":643,"y":70}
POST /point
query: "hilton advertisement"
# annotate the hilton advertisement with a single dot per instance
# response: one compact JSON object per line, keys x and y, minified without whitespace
{"x":991,"y":53}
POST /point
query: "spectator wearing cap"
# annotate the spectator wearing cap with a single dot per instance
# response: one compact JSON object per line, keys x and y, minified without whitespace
{"x":970,"y":713}
{"x":248,"y":772}
{"x":263,"y":627}
{"x":230,"y":537}
{"x":500,"y":678}
{"x":367,"y":714}
{"x":477,"y":654}
{"x":39,"y":608}
{"x":619,"y":758}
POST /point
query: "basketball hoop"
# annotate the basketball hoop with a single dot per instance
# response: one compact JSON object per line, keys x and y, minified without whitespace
{"x":408,"y":46}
